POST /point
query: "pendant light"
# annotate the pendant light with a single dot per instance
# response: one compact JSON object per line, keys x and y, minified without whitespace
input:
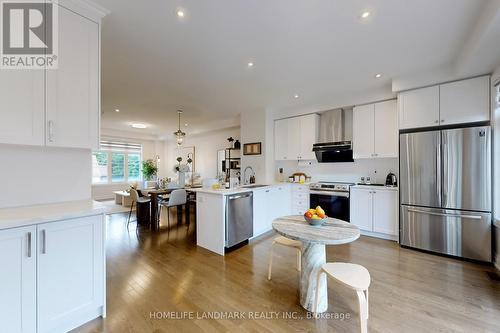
{"x":179,"y":134}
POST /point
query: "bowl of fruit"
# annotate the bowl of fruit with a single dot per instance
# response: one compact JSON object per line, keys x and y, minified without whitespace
{"x":315,"y":216}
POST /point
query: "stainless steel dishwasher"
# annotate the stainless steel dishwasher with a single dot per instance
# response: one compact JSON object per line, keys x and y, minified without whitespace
{"x":239,"y":218}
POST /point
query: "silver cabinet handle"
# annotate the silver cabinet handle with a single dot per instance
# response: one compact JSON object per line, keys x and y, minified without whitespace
{"x":44,"y":242}
{"x":29,"y":244}
{"x":471,"y":217}
{"x":442,"y":120}
{"x":436,"y":121}
{"x":51,"y":131}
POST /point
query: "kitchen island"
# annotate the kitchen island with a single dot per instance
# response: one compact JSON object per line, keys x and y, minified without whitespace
{"x":268,"y":203}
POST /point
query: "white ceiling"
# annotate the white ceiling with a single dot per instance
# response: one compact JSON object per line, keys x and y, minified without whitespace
{"x":153,"y":63}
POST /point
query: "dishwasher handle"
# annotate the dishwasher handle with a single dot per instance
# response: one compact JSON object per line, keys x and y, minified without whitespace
{"x":239,"y":196}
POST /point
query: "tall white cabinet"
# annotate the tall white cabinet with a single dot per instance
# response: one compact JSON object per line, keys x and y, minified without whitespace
{"x":58,"y":107}
{"x":375,"y":130}
{"x":294,"y":137}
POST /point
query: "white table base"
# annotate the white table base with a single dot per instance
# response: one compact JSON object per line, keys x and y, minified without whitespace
{"x":313,"y":257}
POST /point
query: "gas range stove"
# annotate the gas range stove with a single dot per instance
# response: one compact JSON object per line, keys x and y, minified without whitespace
{"x":331,"y":186}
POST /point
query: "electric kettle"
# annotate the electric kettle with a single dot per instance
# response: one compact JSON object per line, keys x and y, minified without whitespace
{"x":391,"y":180}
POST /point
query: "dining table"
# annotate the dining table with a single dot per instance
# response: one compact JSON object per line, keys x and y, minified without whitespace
{"x":314,"y":240}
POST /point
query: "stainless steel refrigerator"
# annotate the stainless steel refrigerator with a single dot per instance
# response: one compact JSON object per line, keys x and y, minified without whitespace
{"x":445,"y":184}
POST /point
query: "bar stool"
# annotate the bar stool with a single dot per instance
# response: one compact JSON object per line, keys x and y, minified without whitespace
{"x":353,"y":276}
{"x":288,"y":243}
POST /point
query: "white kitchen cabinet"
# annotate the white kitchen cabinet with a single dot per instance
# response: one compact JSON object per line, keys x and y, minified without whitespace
{"x":18,"y":280}
{"x":294,"y":137}
{"x":361,"y":207}
{"x":281,"y":139}
{"x":58,"y":107}
{"x":375,"y":130}
{"x":419,"y":108}
{"x":22,"y":99}
{"x":385,"y":212}
{"x":465,"y":101}
{"x":283,"y":200}
{"x":375,"y":211}
{"x":73,"y":89}
{"x":363,"y":131}
{"x":309,"y":125}
{"x":386,"y":129}
{"x":70,"y":273}
{"x":269,"y":203}
{"x":300,"y":199}
{"x":262,"y":211}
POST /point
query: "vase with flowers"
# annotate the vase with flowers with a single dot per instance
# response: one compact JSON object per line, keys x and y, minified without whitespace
{"x":182,"y":168}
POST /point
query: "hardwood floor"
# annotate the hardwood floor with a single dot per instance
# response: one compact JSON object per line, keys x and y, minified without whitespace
{"x":156,"y":273}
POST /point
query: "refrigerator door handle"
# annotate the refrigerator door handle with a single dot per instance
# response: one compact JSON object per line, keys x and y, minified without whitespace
{"x":438,"y":171}
{"x":470,"y":217}
{"x":444,"y":199}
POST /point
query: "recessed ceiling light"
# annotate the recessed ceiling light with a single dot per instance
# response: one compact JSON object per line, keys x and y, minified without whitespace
{"x":186,"y":124}
{"x":180,"y":13}
{"x":365,"y":14}
{"x":138,"y":125}
{"x":250,"y":64}
{"x":117,"y":110}
{"x":295,"y":96}
{"x":378,"y":76}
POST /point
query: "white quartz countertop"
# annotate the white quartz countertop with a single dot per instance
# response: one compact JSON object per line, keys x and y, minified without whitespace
{"x":29,"y":215}
{"x":236,"y":190}
{"x":376,"y":187}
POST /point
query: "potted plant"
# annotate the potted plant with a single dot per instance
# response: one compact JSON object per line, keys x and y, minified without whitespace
{"x":149,"y":171}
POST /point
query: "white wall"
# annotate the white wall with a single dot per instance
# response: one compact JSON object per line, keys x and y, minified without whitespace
{"x":206,"y":147}
{"x":253,"y":129}
{"x":41,"y":175}
{"x":377,"y":169}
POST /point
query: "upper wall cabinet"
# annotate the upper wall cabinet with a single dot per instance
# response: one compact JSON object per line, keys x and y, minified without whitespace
{"x":419,"y":108}
{"x":73,"y":89}
{"x":460,"y":102}
{"x":375,"y":130}
{"x":58,"y":107}
{"x":22,"y":109}
{"x":466,"y":101}
{"x":294,"y":137}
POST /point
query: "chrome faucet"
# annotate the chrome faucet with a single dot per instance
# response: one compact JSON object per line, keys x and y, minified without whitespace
{"x":245,"y":181}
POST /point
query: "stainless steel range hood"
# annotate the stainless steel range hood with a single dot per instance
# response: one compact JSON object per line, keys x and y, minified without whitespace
{"x":335,"y":137}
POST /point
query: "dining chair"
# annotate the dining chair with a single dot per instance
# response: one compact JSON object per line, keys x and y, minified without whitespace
{"x":176,"y":198}
{"x":136,"y":199}
{"x":355,"y":277}
{"x":280,"y":240}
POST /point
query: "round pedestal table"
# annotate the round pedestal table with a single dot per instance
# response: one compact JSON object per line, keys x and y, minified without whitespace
{"x":314,"y":239}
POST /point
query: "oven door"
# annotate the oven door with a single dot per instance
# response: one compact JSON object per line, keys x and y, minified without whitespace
{"x":335,"y":204}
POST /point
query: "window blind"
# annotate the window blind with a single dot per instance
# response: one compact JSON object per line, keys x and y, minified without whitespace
{"x":121,"y":146}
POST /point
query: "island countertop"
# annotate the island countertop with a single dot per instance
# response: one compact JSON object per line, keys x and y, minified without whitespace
{"x":29,"y":215}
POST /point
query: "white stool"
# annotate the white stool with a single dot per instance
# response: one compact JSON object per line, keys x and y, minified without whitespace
{"x":285,"y":242}
{"x":353,"y":276}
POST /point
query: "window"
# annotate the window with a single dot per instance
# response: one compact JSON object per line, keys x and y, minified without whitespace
{"x":100,"y":167}
{"x":117,"y":162}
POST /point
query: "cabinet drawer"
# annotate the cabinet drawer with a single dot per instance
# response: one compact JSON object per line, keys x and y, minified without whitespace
{"x":300,"y":196}
{"x":300,"y":188}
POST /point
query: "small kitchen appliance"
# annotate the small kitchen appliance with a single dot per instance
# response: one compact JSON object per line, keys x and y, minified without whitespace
{"x":391,"y":180}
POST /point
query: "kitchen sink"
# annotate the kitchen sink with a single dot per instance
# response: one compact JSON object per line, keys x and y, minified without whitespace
{"x":253,"y":186}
